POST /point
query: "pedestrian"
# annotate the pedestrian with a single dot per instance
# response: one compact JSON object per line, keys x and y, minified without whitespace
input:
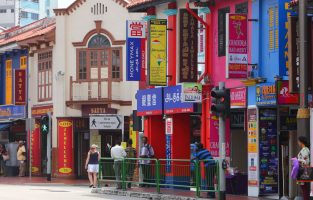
{"x":21,"y":157}
{"x":146,"y":153}
{"x":131,"y":162}
{"x":92,"y":165}
{"x":4,"y":156}
{"x":118,"y":154}
{"x":209,"y":167}
{"x":304,"y":161}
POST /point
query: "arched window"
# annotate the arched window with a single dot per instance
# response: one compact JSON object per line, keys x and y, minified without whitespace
{"x":99,"y":41}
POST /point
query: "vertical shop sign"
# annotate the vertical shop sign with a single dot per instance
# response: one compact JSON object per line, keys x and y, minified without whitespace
{"x":201,"y":43}
{"x":65,"y":146}
{"x":8,"y":82}
{"x":35,"y":149}
{"x":135,"y":45}
{"x":236,"y":45}
{"x":284,"y":97}
{"x":188,"y":46}
{"x":169,"y":132}
{"x":214,"y":140}
{"x":157,"y":68}
{"x":252,"y":147}
{"x":268,"y":152}
{"x":20,"y":87}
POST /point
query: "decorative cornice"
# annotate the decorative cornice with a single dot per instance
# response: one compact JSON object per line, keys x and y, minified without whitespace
{"x":170,"y":12}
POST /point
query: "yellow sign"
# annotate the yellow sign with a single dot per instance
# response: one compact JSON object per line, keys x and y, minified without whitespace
{"x":8,"y":82}
{"x":158,"y":52}
{"x":23,"y":62}
{"x":65,"y":124}
{"x":252,"y":137}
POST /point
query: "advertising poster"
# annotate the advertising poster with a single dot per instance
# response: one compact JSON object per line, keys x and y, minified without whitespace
{"x":252,"y":147}
{"x":192,"y":92}
{"x":238,"y":97}
{"x":157,"y":69}
{"x":236,"y":46}
{"x":268,"y":152}
{"x":284,"y":97}
{"x":65,"y":146}
{"x":149,"y":102}
{"x":214,"y":137}
{"x":135,"y":48}
{"x":20,"y":87}
{"x":35,"y":149}
{"x":266,"y":94}
{"x":173,"y":101}
{"x":188,"y":46}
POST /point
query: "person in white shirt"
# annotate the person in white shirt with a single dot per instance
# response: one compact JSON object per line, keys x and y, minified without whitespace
{"x":118,"y":154}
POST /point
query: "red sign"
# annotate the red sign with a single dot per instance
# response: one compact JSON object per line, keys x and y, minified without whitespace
{"x":237,"y":46}
{"x":214,"y":137}
{"x":283,"y":96}
{"x":238,"y":97}
{"x":65,"y":146}
{"x":35,"y":149}
{"x":38,"y":111}
{"x":20,"y":86}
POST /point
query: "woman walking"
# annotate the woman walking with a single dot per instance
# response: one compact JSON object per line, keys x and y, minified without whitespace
{"x":92,"y":165}
{"x":3,"y":158}
{"x":304,"y":161}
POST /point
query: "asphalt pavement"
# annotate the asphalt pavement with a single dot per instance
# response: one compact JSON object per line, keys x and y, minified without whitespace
{"x":52,"y":192}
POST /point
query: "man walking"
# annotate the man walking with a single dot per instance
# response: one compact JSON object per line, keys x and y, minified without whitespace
{"x":147,"y":153}
{"x":209,"y":168}
{"x":118,"y":154}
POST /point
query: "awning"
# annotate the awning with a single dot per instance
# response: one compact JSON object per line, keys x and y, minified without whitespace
{"x":4,"y":126}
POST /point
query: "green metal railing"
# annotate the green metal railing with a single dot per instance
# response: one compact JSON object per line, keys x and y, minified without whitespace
{"x":202,"y":176}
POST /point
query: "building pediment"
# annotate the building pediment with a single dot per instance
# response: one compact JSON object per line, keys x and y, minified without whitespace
{"x":78,"y":3}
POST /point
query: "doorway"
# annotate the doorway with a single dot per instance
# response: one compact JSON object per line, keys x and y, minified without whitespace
{"x":81,"y":149}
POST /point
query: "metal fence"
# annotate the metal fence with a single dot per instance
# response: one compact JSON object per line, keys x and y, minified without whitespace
{"x":199,"y":176}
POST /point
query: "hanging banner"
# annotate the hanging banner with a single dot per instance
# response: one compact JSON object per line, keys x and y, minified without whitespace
{"x":201,"y":43}
{"x":135,"y":48}
{"x":20,"y":86}
{"x":65,"y":146}
{"x":214,"y":137}
{"x":35,"y":149}
{"x":188,"y":46}
{"x":252,"y":147}
{"x":283,"y":94}
{"x":157,"y":68}
{"x":266,"y":94}
{"x":192,"y":92}
{"x":236,"y":45}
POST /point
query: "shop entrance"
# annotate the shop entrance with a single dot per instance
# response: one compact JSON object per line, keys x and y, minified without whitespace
{"x":82,"y":148}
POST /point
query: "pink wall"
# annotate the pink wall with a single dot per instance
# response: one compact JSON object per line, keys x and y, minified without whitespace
{"x":219,"y":63}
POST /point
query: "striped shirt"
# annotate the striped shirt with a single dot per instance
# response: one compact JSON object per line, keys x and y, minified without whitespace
{"x":204,"y":154}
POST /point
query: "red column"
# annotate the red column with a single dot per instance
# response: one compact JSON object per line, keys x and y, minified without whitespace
{"x":172,"y":45}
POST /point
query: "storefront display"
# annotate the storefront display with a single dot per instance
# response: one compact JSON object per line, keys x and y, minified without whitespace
{"x":268,"y":152}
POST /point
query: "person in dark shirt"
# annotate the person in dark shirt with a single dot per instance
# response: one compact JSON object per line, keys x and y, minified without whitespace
{"x":209,"y":167}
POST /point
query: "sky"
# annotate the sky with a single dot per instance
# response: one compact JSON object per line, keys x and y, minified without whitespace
{"x":64,"y":3}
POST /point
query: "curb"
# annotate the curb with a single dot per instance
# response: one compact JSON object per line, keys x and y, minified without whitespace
{"x":142,"y":195}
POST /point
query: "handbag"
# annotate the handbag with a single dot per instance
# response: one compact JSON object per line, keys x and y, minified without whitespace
{"x":6,"y":157}
{"x":305,"y":174}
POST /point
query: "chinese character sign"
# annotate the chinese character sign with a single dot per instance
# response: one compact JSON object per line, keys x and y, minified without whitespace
{"x":188,"y":47}
{"x":237,"y":46}
{"x":135,"y":44}
{"x":65,"y":146}
{"x":20,"y":86}
{"x":149,"y":102}
{"x":157,"y":52}
{"x":173,"y":101}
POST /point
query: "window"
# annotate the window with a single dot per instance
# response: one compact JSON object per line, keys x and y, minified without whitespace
{"x":99,"y":41}
{"x":222,"y":30}
{"x":48,"y":13}
{"x":12,"y":10}
{"x":3,"y":11}
{"x":45,"y":76}
{"x":242,"y":8}
{"x":23,"y":62}
{"x":24,"y":14}
{"x":34,"y":16}
{"x":116,"y":64}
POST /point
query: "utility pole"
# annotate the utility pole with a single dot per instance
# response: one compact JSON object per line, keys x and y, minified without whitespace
{"x":303,"y":112}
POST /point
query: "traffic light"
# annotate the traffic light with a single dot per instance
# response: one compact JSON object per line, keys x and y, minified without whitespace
{"x":220,"y":101}
{"x":44,"y":124}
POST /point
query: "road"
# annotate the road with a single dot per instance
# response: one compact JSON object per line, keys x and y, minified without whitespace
{"x":52,"y":192}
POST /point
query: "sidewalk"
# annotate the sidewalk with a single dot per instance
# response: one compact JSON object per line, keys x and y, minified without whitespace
{"x":41,"y":180}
